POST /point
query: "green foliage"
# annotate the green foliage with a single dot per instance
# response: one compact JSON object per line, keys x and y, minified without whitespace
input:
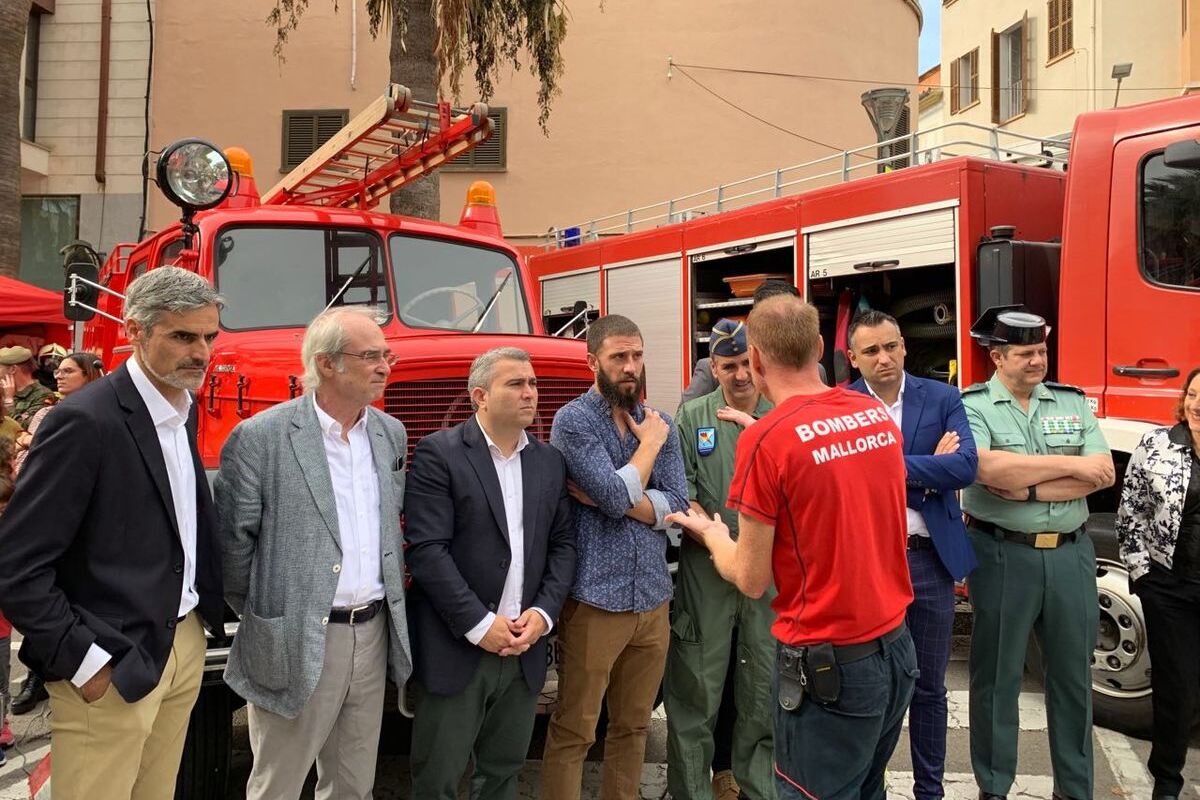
{"x":490,"y":34}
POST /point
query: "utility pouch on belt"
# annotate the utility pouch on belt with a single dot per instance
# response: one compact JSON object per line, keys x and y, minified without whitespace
{"x":824,"y":679}
{"x":791,"y":677}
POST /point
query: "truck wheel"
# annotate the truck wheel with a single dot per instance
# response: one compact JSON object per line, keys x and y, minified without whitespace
{"x":1121,"y":698}
{"x":204,"y":769}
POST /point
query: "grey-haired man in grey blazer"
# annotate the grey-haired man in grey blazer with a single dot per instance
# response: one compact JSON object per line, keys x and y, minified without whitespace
{"x":308,"y":498}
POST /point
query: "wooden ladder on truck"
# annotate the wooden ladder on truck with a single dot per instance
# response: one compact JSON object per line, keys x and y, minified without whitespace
{"x":392,"y":142}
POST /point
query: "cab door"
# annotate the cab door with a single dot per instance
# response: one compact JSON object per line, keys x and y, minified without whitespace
{"x":1153,"y":278}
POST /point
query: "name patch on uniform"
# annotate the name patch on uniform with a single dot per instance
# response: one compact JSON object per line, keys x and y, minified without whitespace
{"x":1067,"y":424}
{"x":706,"y":440}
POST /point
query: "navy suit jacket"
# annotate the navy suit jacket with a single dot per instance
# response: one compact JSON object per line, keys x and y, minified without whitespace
{"x":931,"y":409}
{"x":458,"y":550}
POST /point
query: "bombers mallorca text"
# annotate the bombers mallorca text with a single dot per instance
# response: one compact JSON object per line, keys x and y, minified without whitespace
{"x":845,"y":423}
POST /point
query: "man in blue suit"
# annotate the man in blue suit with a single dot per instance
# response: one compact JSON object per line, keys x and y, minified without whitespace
{"x":940,"y":457}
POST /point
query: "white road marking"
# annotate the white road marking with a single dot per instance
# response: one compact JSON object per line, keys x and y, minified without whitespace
{"x":1127,"y":767}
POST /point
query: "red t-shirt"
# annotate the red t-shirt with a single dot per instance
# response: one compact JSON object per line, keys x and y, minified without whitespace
{"x":827,"y":470}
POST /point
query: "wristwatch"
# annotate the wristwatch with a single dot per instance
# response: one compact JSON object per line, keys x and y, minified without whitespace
{"x":1032,"y":494}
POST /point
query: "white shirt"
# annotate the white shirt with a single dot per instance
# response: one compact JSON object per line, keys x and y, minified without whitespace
{"x":356,"y":493}
{"x":170,"y":423}
{"x":512,"y":489}
{"x":916,"y":523}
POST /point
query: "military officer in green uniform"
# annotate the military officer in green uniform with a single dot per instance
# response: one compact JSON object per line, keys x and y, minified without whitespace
{"x":707,"y":608}
{"x":29,"y":396}
{"x":1040,"y":454}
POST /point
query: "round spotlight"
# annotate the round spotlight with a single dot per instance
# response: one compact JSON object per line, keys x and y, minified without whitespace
{"x":194,"y":174}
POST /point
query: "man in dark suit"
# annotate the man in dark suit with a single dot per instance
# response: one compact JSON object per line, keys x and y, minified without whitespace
{"x":491,"y":548}
{"x":940,"y":457}
{"x":108,"y":556}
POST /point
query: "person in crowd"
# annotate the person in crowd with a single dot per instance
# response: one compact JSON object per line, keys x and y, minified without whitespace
{"x":309,"y":495}
{"x":844,"y":668}
{"x":1158,"y":527}
{"x":8,"y":476}
{"x":627,"y":474}
{"x":939,"y":459}
{"x":1041,"y":453}
{"x":22,"y":395}
{"x":48,"y":360}
{"x":491,"y":548}
{"x":703,"y":379}
{"x":110,"y":593}
{"x":73,"y":372}
{"x":707,"y":609}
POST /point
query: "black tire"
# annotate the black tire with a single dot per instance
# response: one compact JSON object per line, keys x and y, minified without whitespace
{"x":204,"y":768}
{"x":1121,"y":697}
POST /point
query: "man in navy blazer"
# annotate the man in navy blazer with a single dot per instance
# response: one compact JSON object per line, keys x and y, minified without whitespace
{"x":940,"y":456}
{"x":491,"y":548}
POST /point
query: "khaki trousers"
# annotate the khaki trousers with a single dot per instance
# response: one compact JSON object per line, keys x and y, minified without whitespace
{"x":623,"y":654}
{"x":111,"y":749}
{"x":338,"y":728}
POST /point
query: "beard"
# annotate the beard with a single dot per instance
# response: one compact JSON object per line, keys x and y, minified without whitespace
{"x":619,"y":395}
{"x":177,"y":379}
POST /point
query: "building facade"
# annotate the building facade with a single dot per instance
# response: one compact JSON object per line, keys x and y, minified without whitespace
{"x":84,"y":114}
{"x":1032,"y":67}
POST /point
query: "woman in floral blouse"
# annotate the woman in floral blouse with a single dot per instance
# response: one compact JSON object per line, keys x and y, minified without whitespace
{"x":1158,"y":525}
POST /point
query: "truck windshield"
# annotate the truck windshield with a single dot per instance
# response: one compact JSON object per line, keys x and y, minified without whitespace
{"x":1170,"y":224}
{"x":459,"y":287}
{"x":278,"y":277}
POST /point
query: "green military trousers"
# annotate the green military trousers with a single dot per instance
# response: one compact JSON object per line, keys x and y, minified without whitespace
{"x":703,"y":615}
{"x":1015,"y":590}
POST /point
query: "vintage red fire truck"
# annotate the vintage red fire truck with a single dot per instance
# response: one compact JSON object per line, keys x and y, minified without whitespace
{"x":447,"y":294}
{"x":1099,"y":232}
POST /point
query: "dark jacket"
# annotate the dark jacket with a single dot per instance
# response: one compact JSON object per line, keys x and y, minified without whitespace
{"x":89,"y":548}
{"x":930,"y":410}
{"x":458,"y":550}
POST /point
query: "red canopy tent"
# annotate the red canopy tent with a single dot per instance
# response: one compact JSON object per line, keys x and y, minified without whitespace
{"x":30,"y":315}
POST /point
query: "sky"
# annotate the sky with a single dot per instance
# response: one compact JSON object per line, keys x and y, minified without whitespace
{"x":930,"y":52}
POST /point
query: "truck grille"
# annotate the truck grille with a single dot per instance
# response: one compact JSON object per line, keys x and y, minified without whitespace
{"x":430,"y":405}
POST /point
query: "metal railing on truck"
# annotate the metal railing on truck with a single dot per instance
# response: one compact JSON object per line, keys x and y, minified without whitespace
{"x":950,"y":140}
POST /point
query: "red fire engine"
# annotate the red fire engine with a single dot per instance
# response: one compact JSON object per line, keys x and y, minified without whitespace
{"x":448,"y":294}
{"x":1105,"y":249}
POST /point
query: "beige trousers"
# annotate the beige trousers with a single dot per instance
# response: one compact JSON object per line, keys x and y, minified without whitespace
{"x":622,"y":654}
{"x":338,"y":728}
{"x":114,"y":750}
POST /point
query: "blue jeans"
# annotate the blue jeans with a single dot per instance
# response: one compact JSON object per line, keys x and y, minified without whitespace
{"x":839,"y":751}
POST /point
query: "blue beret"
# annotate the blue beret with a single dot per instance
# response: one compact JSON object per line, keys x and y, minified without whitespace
{"x":728,"y":338}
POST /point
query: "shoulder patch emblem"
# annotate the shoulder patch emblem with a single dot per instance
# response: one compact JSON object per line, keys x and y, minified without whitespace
{"x":706,"y":440}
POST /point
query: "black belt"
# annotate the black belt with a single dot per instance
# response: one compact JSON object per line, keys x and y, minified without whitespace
{"x":1043,"y":540}
{"x":356,"y":615}
{"x":917,"y":542}
{"x":846,"y":653}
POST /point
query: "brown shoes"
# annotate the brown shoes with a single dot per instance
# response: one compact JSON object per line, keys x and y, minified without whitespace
{"x":724,"y":786}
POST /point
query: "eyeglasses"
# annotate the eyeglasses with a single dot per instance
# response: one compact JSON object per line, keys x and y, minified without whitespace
{"x":374,"y":356}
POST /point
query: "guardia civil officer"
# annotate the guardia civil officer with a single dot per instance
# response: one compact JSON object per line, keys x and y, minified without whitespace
{"x":707,"y":609}
{"x":1040,"y":454}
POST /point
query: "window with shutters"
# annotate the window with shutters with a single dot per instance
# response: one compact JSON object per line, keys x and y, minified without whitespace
{"x":492,"y":155}
{"x":964,"y":81}
{"x":1060,"y":25}
{"x":305,"y":131}
{"x":1010,"y":79}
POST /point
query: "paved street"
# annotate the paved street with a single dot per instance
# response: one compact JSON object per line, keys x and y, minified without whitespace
{"x":1120,"y":760}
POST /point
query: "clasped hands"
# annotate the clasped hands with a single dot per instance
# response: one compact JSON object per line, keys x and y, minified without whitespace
{"x":509,"y":637}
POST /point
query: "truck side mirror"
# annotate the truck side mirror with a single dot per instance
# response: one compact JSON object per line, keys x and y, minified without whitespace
{"x":1183,"y":155}
{"x":85,"y":295}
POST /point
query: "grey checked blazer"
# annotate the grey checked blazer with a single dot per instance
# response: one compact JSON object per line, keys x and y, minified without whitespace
{"x":279,"y":533}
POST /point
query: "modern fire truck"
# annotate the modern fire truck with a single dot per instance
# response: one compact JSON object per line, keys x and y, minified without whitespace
{"x":1098,"y":232}
{"x":446,"y":293}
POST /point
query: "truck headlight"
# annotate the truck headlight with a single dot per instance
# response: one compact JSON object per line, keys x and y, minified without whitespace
{"x":194,"y":174}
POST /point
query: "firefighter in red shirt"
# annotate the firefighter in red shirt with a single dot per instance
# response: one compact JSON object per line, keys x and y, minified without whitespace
{"x":819,"y":491}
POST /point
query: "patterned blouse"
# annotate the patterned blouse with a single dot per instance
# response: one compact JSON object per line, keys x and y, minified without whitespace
{"x":622,"y":562}
{"x":1151,"y":510}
